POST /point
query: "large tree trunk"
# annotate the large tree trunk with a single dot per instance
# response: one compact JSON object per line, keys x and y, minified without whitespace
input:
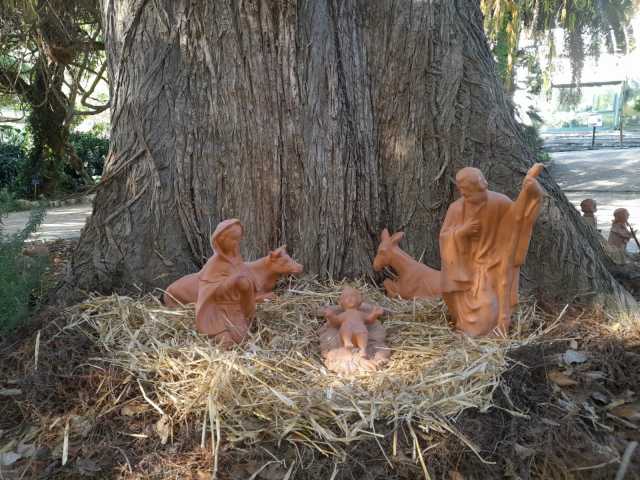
{"x":317,"y":123}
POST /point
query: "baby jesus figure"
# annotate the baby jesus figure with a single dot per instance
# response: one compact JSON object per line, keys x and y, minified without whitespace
{"x":352,"y":339}
{"x":352,"y":322}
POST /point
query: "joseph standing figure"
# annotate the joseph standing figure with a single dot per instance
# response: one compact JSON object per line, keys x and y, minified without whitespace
{"x":483,"y":243}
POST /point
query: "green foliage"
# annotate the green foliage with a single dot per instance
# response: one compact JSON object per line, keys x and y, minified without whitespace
{"x":8,"y":203}
{"x":52,"y":61}
{"x":17,"y":168}
{"x":532,"y":138}
{"x":12,"y":160}
{"x":605,"y":22}
{"x":14,"y":136}
{"x":504,"y":49}
{"x":535,"y":78}
{"x":20,"y":275}
{"x":13,"y":147}
{"x":92,"y":149}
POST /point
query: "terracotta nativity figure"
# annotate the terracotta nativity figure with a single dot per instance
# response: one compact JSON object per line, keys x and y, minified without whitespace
{"x":589,"y":208}
{"x":226,"y":290}
{"x":483,"y":244}
{"x":266,"y":272}
{"x":620,"y":233}
{"x":352,"y":339}
{"x":414,"y":279}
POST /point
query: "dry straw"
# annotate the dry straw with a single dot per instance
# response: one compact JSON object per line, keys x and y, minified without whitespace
{"x":275,"y":386}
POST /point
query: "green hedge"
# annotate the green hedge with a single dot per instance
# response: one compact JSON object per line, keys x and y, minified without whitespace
{"x":92,"y":148}
{"x":13,"y":156}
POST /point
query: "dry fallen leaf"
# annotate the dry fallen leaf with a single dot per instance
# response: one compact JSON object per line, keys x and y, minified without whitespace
{"x":9,"y":458}
{"x":132,"y":410}
{"x":26,"y":450}
{"x":163,"y":427}
{"x":275,"y":471}
{"x":630,"y":411}
{"x":87,"y":467}
{"x":616,"y":403}
{"x":600,"y":397}
{"x":203,"y":475}
{"x":549,"y":422}
{"x":572,"y":356}
{"x":595,"y":375}
{"x":456,"y":475}
{"x":561,"y":379}
{"x":10,"y":392}
{"x":524,"y":452}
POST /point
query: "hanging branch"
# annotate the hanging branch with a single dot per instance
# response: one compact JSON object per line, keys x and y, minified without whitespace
{"x":606,"y":21}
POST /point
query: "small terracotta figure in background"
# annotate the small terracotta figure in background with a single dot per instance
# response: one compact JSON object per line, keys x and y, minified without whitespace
{"x":483,"y":243}
{"x":266,"y":272}
{"x":352,"y":340}
{"x":589,"y":208}
{"x":620,"y":233}
{"x":415,"y":279}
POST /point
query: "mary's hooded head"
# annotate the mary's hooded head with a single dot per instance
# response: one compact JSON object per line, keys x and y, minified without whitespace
{"x":226,"y":253}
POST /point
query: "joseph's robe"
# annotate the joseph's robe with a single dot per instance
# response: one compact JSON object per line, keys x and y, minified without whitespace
{"x":475,"y":271}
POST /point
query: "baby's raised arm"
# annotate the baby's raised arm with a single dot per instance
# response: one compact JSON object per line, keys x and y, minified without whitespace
{"x":376,"y":312}
{"x":332,"y":316}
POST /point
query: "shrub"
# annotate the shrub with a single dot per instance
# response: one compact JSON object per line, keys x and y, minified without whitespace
{"x":15,"y":170}
{"x":7,"y":203}
{"x":19,"y":275}
{"x":92,"y":149}
{"x":532,"y":138}
{"x":13,"y":156}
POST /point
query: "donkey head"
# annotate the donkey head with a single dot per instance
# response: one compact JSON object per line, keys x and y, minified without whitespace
{"x":388,"y":243}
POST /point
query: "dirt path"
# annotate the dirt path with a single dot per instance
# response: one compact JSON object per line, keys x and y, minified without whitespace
{"x":60,"y":222}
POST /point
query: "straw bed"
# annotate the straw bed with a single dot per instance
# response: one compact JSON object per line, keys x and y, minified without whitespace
{"x":275,"y":386}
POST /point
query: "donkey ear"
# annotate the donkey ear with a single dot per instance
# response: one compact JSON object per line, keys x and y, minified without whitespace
{"x":397,"y":237}
{"x":384,"y":235}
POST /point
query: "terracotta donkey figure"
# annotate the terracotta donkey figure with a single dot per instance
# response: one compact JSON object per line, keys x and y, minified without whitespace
{"x":265,"y":271}
{"x":415,"y":280}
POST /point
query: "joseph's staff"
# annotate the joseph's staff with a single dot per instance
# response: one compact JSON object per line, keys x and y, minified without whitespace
{"x":523,"y":209}
{"x":633,"y":234}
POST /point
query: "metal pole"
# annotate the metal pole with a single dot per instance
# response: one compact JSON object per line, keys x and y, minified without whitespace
{"x":593,"y":138}
{"x":622,"y":101}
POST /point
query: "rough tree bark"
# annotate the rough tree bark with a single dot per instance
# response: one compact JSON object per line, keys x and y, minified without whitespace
{"x":317,"y":123}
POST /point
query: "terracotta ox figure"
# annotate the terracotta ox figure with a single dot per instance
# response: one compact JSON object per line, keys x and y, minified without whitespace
{"x":415,"y":280}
